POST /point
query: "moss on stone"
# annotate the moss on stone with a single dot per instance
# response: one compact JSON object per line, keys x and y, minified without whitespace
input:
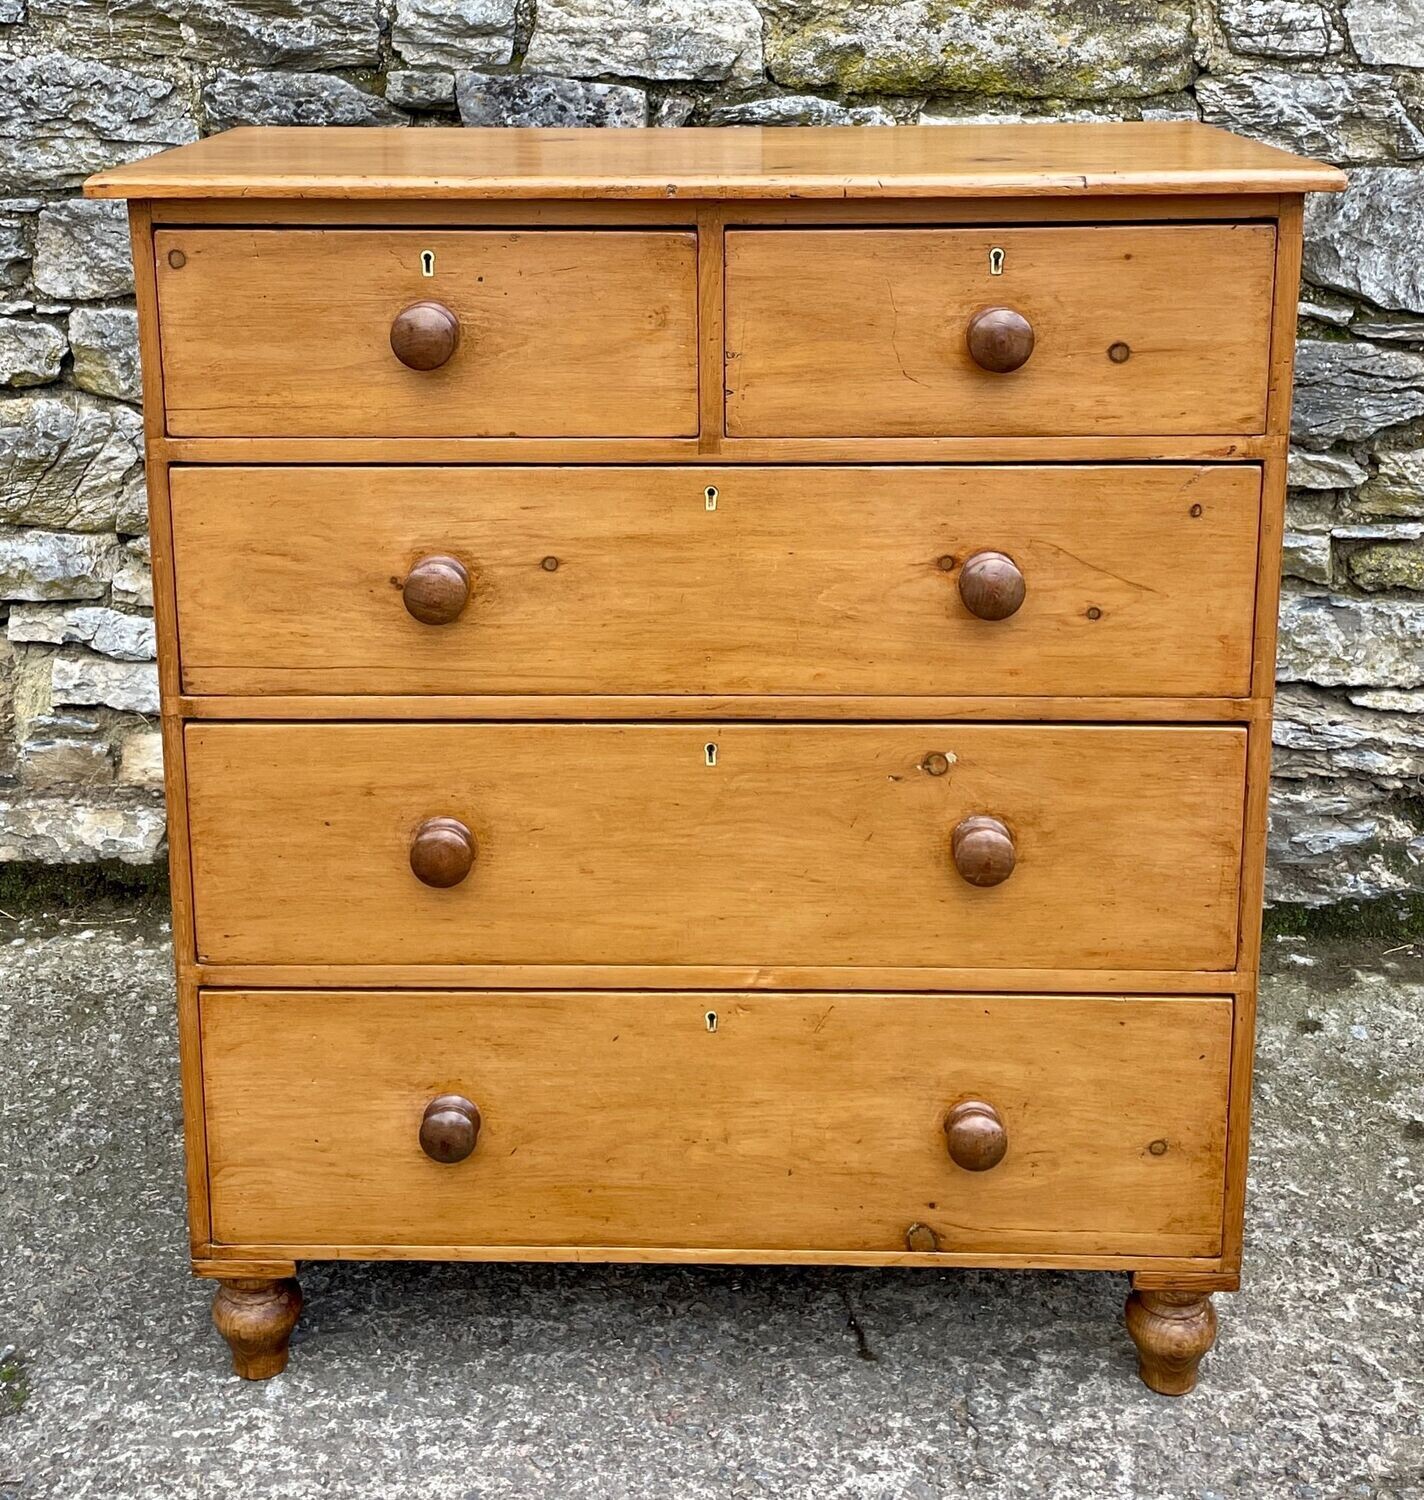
{"x":1392,"y":919}
{"x":14,"y":1386}
{"x":1388,"y":565}
{"x":1052,"y":48}
{"x":27,"y":888}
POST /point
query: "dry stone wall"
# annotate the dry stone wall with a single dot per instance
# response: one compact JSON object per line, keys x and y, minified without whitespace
{"x":87,"y":83}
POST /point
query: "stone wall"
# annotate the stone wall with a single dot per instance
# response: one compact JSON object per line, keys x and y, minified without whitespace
{"x":86,"y":83}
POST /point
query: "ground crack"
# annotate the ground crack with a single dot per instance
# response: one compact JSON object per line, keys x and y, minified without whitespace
{"x":862,"y":1342}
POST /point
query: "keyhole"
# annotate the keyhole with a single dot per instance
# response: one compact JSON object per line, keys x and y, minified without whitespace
{"x":710,"y":751}
{"x":710,"y":496}
{"x":711,"y":1020}
{"x":427,"y":262}
{"x":996,"y":262}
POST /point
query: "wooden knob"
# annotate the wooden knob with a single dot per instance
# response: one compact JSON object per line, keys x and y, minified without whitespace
{"x":442,"y":852}
{"x":991,"y":585}
{"x":436,"y":590}
{"x":999,"y":339}
{"x":975,"y":1134}
{"x":449,"y":1128}
{"x":425,"y":335}
{"x":983,"y":850}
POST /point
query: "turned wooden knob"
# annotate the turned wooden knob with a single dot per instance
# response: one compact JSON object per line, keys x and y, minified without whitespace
{"x":436,"y":590}
{"x":442,"y":852}
{"x":999,"y":339}
{"x":424,"y":335}
{"x":975,"y":1134}
{"x":449,"y":1128}
{"x":983,"y":850}
{"x":991,"y":585}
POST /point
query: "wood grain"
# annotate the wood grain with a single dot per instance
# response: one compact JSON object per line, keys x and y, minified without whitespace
{"x":801,"y":845}
{"x":256,"y":1315}
{"x":799,"y":1122}
{"x":843,"y":333}
{"x":623,"y":581}
{"x":1162,"y":1267}
{"x":474,"y":450}
{"x":555,"y":213}
{"x":165,"y":609}
{"x":558,"y":213}
{"x":216,"y":1268}
{"x":1158,"y":1278}
{"x":563,"y":334}
{"x":1172,"y":1331}
{"x":717,"y":708}
{"x":974,"y":161}
{"x":1258,"y":766}
{"x":938,"y":978}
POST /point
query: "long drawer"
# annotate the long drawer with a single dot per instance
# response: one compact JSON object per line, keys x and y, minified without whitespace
{"x":758,"y":1122}
{"x":1113,"y":847}
{"x":537,"y":333}
{"x":1122,"y":579}
{"x":1081,"y":330}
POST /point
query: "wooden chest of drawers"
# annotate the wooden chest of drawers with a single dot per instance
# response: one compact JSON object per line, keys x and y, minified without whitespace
{"x":716,"y":693}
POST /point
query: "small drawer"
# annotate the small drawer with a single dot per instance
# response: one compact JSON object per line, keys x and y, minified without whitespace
{"x":961,"y":845}
{"x":998,"y":332}
{"x":1072,"y":580}
{"x":415,"y":333}
{"x":773,"y":1122}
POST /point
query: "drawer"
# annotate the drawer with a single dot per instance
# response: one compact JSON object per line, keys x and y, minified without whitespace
{"x":555,"y":333}
{"x":726,"y":844}
{"x":800,"y":1123}
{"x":1135,"y":580}
{"x":866,"y":332}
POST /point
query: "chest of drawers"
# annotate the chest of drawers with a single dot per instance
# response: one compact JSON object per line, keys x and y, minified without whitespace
{"x":716,"y":694}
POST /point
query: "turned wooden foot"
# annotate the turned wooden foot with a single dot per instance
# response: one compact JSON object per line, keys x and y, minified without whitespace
{"x":256,"y":1317}
{"x":1172,"y":1330}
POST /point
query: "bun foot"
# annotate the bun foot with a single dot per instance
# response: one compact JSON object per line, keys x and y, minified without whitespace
{"x":256,"y":1317}
{"x":1172,"y":1330}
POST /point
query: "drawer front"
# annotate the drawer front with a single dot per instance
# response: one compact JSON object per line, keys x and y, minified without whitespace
{"x":556,"y":333}
{"x":866,"y":332}
{"x":801,"y":1122}
{"x":1135,"y":580}
{"x":725,"y":844}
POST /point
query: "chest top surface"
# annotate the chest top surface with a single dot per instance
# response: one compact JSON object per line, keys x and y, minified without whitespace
{"x":968,"y":161}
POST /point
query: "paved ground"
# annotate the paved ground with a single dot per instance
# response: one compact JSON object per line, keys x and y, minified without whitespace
{"x":471,"y":1383}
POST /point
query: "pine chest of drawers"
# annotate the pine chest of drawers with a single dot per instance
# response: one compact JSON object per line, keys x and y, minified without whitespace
{"x":716,"y":694}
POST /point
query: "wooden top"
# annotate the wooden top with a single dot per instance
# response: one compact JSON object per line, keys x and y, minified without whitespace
{"x":939,"y":161}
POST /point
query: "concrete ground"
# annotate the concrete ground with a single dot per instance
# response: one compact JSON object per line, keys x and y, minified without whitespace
{"x":477,"y":1382}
